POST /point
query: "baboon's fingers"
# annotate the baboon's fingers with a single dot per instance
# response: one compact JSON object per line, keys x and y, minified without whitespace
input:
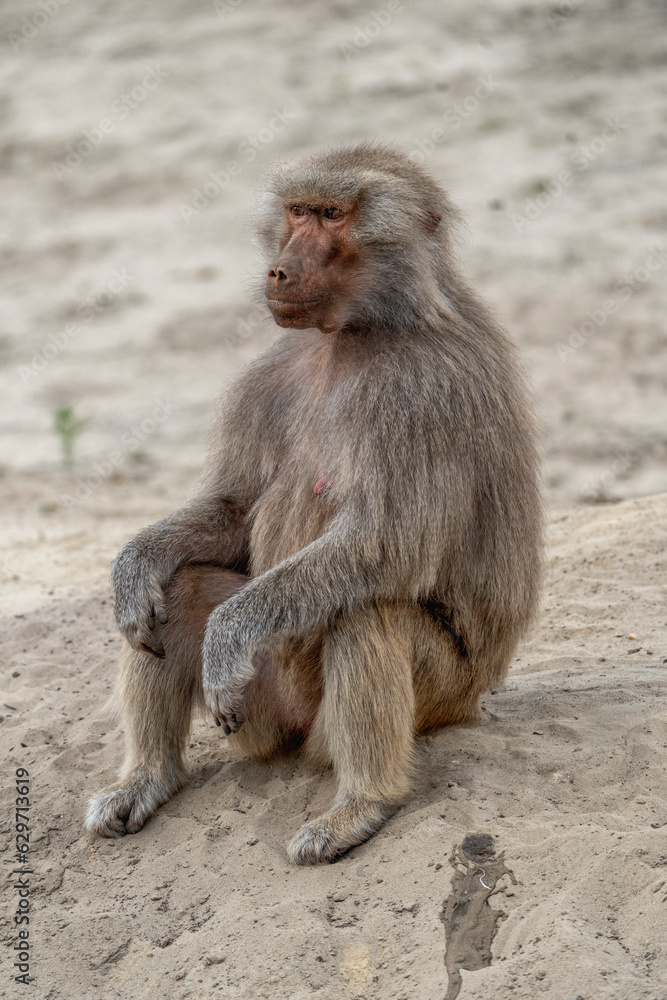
{"x":225,"y":728}
{"x":155,"y":648}
{"x":158,"y":615}
{"x":235,"y":721}
{"x":228,"y":710}
{"x":230,"y":723}
{"x":140,"y":637}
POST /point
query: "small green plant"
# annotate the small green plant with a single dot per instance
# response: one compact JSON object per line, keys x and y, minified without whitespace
{"x":68,"y":427}
{"x":540,"y":185}
{"x":490,"y":124}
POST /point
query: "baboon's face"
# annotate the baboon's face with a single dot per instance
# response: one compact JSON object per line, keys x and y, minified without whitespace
{"x":317,"y":267}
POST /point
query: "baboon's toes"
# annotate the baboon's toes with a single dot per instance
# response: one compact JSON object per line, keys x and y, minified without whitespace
{"x":329,"y":836}
{"x":115,"y":813}
{"x":314,"y":844}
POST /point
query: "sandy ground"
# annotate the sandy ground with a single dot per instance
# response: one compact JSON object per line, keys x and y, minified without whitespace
{"x":126,"y":273}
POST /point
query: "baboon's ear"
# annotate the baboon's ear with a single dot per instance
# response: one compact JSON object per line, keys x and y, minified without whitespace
{"x":432,"y":221}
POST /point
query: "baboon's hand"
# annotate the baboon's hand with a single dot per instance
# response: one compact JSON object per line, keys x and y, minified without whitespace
{"x":227,"y":667}
{"x":139,"y":598}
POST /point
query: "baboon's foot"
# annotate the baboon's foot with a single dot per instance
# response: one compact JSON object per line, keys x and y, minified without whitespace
{"x":329,"y":836}
{"x":126,"y":808}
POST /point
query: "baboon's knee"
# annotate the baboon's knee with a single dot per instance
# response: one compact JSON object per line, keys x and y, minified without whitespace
{"x":447,"y":680}
{"x":196,"y":589}
{"x":193,"y":593}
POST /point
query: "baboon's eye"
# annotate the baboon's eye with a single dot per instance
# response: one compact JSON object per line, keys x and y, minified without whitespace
{"x":298,"y":210}
{"x":333,"y":213}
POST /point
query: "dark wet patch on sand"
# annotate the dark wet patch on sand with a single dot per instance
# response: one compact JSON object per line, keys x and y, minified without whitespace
{"x":470,"y":922}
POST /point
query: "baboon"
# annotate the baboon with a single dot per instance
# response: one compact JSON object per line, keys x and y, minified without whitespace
{"x":362,"y":552}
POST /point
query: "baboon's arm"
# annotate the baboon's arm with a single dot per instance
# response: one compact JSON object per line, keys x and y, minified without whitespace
{"x":334,"y":574}
{"x":208,"y":529}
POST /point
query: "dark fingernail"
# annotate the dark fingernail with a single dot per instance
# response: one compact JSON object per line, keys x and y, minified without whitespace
{"x":159,"y":653}
{"x":227,"y":729}
{"x":217,"y":720}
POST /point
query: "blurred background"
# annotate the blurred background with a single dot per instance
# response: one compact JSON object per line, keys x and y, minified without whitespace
{"x":134,"y":140}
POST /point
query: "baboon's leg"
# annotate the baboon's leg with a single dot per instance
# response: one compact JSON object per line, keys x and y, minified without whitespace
{"x":389,"y":671}
{"x":447,"y":684}
{"x":365,"y":728}
{"x":283,"y":698}
{"x":156,"y":698}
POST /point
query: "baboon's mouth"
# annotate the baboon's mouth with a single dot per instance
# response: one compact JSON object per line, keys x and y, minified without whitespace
{"x":291,"y":303}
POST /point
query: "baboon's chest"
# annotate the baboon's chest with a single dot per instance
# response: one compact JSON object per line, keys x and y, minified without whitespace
{"x":295,"y":510}
{"x":302,"y":498}
{"x":305,"y":491}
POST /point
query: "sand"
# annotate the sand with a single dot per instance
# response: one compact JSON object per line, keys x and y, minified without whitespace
{"x":127,"y":296}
